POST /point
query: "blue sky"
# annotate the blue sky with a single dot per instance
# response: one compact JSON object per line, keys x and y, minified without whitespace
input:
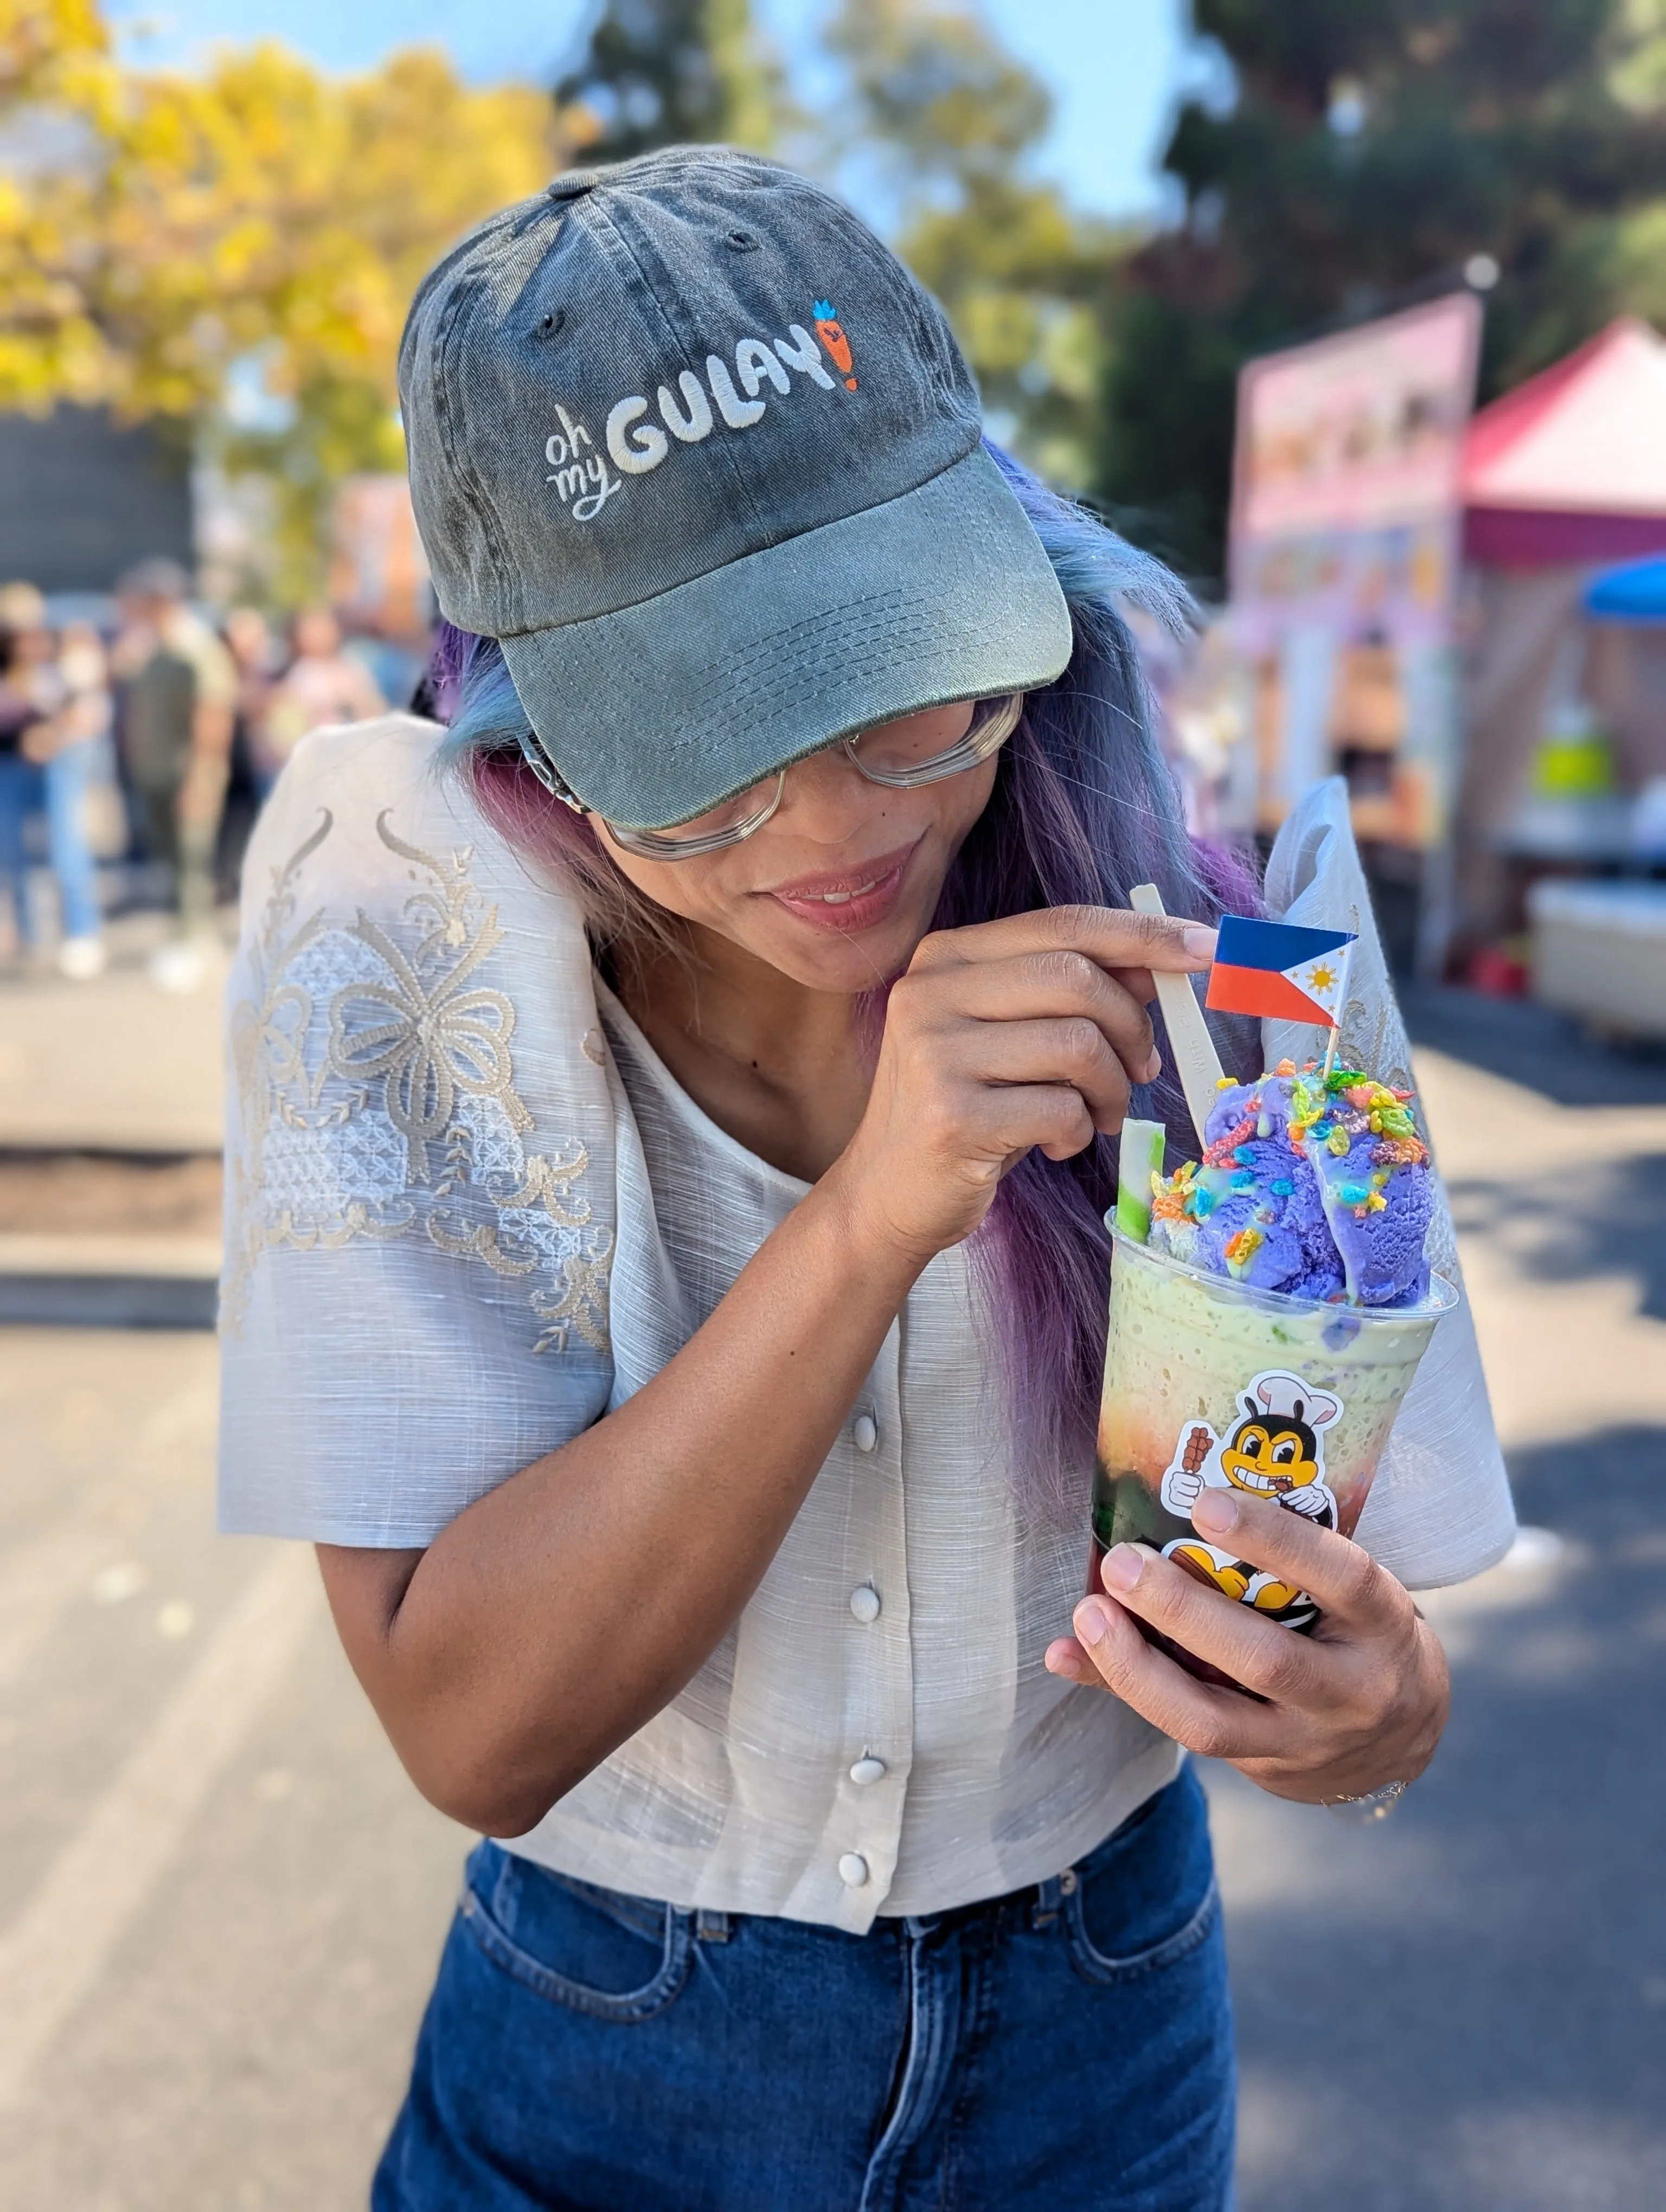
{"x":1113,"y":65}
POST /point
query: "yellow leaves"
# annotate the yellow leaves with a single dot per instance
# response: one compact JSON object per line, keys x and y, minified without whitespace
{"x":48,"y":46}
{"x":188,"y":221}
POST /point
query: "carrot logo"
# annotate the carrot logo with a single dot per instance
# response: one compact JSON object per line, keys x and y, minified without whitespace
{"x":837,"y":344}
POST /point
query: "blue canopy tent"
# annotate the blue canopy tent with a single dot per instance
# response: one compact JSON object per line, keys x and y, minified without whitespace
{"x":1634,"y":592}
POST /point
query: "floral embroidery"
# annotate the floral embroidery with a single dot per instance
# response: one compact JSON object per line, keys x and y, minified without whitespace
{"x":434,"y":1039}
{"x":365,"y":1059}
{"x":583,"y":1302}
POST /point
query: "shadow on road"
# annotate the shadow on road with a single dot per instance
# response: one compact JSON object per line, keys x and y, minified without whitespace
{"x":1528,"y":1044}
{"x":1605,"y":1218}
{"x":1464,"y":2008}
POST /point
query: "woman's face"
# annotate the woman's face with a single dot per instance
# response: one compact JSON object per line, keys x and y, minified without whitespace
{"x":838,"y":887}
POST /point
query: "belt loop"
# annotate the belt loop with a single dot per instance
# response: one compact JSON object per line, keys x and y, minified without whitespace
{"x":711,"y":1927}
{"x":1047,"y":1903}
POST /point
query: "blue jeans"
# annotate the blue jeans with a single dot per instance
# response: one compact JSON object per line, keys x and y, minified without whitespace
{"x":1065,"y":2047}
{"x":58,"y":786}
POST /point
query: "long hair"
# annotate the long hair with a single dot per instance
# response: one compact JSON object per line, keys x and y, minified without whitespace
{"x":1083,"y":808}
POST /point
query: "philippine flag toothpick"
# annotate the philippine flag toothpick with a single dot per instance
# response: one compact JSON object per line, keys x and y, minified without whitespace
{"x":1272,"y":968}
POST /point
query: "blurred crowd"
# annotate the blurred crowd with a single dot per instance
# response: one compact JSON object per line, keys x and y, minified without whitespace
{"x":146,"y":742}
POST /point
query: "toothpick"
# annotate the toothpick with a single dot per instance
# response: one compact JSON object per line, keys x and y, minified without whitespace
{"x":1196,"y":1062}
{"x":1330,"y":1052}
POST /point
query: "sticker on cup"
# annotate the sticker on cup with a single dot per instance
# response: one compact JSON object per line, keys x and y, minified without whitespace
{"x":1276,"y":1450}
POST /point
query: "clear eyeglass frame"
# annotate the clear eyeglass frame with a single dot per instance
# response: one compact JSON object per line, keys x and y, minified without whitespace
{"x":993,"y":722}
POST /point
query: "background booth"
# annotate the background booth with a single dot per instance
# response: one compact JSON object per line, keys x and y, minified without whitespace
{"x":1565,"y":698}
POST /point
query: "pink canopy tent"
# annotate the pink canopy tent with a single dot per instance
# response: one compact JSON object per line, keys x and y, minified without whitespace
{"x":1570,"y":467}
{"x":1564,"y":474}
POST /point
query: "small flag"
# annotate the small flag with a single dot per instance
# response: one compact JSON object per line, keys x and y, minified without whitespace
{"x":1270,"y":968}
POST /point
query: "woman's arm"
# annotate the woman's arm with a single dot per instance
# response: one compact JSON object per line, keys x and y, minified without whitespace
{"x":560,"y":1611}
{"x":565,"y":1608}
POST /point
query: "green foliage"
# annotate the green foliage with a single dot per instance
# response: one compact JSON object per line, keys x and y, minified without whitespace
{"x":1020,"y":275}
{"x":664,"y":72}
{"x":1372,"y":149}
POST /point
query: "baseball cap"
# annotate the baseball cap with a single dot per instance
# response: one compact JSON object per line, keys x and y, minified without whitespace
{"x":700,"y":452}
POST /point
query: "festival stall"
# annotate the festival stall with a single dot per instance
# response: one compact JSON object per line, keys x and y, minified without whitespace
{"x":1565,"y":705}
{"x":1345,"y":550}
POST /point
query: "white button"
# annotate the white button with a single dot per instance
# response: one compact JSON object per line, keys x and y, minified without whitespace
{"x":868,"y":1769}
{"x":863,"y":1432}
{"x":853,"y":1870}
{"x":864,"y":1602}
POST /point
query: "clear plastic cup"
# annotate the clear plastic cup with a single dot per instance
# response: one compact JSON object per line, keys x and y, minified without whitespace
{"x":1209,"y":1383}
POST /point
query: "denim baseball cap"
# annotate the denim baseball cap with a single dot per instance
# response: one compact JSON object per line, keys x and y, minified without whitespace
{"x":698,"y":450}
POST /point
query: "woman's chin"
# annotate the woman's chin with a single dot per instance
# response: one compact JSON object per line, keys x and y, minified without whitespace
{"x":843,"y":961}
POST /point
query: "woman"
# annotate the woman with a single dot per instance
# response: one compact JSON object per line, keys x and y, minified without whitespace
{"x":54,"y":717}
{"x":666,"y":1274}
{"x":322,"y":684}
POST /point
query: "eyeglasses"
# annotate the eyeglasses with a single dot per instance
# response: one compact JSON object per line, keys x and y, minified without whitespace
{"x":900,"y":755}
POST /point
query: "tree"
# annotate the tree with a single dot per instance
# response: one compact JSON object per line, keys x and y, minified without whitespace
{"x":166,"y":239}
{"x":663,"y":72}
{"x":957,"y":118}
{"x":1369,"y":151}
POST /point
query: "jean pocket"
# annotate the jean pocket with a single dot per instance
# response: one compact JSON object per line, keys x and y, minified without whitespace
{"x":1146,"y":1898}
{"x":594,"y":1950}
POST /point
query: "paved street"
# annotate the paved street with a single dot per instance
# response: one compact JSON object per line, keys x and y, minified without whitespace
{"x":1463,"y":2009}
{"x":222,"y":1902}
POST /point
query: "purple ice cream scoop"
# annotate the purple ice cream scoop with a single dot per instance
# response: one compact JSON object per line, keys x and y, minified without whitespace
{"x":1314,"y":1186}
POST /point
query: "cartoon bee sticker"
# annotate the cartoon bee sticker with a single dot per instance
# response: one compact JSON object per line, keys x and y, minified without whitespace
{"x":837,"y":344}
{"x":1277,"y":1450}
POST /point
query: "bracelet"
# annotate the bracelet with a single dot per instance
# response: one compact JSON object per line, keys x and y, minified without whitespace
{"x":1374,"y":1805}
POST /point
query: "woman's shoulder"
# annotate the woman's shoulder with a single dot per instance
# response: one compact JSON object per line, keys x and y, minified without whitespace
{"x":390,"y":761}
{"x":375,"y":817}
{"x":416,"y":1057}
{"x":389,"y":930}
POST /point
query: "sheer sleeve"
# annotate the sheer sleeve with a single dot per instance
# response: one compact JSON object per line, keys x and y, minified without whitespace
{"x":420,"y":1154}
{"x":1440,"y":1509}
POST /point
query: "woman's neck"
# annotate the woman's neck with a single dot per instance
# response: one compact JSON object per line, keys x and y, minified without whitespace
{"x":777,"y":1064}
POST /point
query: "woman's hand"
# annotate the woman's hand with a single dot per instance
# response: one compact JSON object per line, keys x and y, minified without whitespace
{"x":1030,"y":1031}
{"x":1360,"y":1702}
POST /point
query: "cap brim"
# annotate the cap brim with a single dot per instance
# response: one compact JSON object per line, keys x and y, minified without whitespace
{"x":657,"y":712}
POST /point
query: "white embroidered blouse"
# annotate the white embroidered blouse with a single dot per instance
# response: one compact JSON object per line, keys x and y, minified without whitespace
{"x":469,"y":1212}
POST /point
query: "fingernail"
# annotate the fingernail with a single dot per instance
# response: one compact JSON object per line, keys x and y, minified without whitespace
{"x":1217,"y":1510}
{"x":1153,"y":1068}
{"x":1124,"y":1566}
{"x":1197,"y":943}
{"x":1064,"y":1662}
{"x":1090,"y":1621}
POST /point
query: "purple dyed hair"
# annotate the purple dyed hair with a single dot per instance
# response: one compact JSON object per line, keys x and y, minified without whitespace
{"x":1083,"y":808}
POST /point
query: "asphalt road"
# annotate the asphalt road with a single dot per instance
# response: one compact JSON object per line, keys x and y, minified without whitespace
{"x":220,"y":1902}
{"x":1464,"y":2008}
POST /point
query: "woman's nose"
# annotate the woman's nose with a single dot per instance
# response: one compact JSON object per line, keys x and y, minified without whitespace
{"x":826,"y":796}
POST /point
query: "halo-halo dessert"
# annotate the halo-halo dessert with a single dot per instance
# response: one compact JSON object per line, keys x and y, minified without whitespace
{"x":1269,"y":1305}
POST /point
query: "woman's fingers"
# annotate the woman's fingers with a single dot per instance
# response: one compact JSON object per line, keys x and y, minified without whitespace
{"x":1113,"y":938}
{"x":1263,"y":1655}
{"x":1347,"y":1582}
{"x":1072,"y":1051}
{"x":1215,"y":1724}
{"x":1012,"y":1119}
{"x":1062,"y":985}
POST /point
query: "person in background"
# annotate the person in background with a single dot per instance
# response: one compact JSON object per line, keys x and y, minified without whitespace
{"x":321,"y":686}
{"x":260,"y":655}
{"x":179,"y":694}
{"x":54,"y":707}
{"x":259,"y":658}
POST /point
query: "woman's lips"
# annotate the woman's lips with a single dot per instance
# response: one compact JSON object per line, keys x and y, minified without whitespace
{"x":846,"y":899}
